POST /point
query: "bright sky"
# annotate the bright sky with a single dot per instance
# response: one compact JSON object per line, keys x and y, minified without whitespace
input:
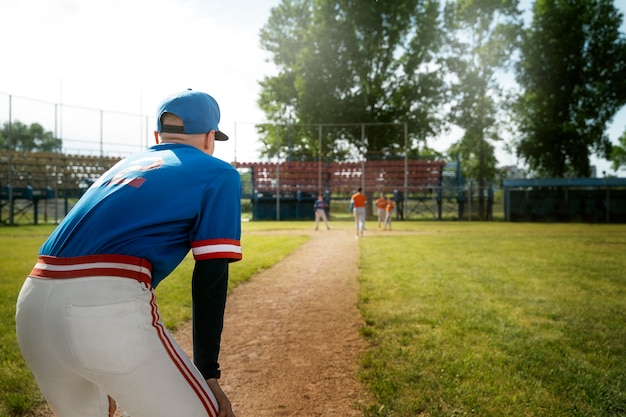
{"x":126,"y":55}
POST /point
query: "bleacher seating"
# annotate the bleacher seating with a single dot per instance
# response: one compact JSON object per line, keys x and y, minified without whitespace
{"x":344,"y":177}
{"x":41,"y":170}
{"x":27,"y":178}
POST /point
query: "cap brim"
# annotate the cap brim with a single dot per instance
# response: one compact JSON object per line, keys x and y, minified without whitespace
{"x":220,"y":136}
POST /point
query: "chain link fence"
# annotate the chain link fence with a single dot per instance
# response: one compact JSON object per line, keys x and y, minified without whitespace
{"x":42,"y":185}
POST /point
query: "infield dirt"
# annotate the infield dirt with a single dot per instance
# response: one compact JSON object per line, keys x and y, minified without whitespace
{"x":291,"y":344}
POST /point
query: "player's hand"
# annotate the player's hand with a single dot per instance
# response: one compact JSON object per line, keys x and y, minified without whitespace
{"x":226,"y":409}
{"x":112,"y":406}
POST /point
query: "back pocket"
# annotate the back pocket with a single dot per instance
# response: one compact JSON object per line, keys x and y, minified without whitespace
{"x":108,"y":338}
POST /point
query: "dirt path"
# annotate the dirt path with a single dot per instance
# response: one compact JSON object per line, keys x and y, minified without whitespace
{"x":291,"y":343}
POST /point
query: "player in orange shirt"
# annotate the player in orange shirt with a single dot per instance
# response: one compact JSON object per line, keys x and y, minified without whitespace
{"x":358,"y":201}
{"x":388,"y":211}
{"x":381,"y":203}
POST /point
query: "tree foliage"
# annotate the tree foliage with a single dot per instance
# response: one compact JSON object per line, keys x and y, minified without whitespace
{"x":482,"y":37}
{"x":20,"y":137}
{"x":348,"y":62}
{"x":573,"y":75}
{"x":618,"y":154}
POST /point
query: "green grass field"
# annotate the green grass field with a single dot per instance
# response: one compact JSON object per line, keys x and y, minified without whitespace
{"x":496,"y":319}
{"x":462,"y":318}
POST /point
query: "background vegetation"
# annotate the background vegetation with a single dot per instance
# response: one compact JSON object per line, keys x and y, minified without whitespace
{"x":549,"y":84}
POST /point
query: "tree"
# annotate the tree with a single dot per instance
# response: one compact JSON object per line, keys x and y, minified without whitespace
{"x":618,"y":153}
{"x":25,"y":138}
{"x":483,"y":35}
{"x":573,"y":78}
{"x":346,"y":62}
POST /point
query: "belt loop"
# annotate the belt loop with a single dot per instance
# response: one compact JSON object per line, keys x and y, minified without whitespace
{"x":146,"y":279}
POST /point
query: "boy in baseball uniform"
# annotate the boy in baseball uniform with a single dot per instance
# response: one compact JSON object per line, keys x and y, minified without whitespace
{"x":87,"y":320}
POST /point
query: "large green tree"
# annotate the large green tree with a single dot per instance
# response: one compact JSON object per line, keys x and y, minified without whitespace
{"x":482,"y":38}
{"x":20,"y":137}
{"x":572,"y":74}
{"x":348,"y":62}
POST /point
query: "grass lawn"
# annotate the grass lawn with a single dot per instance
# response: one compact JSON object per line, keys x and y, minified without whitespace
{"x":463,"y":318}
{"x":496,"y":319}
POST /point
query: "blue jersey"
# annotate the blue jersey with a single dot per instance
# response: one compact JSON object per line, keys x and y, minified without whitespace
{"x":319,"y":205}
{"x":156,"y":205}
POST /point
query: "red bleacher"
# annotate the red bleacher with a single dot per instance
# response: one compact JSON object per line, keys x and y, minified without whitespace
{"x":345,"y":177}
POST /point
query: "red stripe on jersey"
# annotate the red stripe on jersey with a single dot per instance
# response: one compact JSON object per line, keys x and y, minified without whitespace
{"x":217,"y":249}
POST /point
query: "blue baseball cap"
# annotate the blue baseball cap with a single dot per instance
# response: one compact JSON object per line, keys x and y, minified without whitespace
{"x":198,"y":111}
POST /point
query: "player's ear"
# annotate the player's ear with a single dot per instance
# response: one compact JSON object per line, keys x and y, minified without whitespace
{"x":156,"y":137}
{"x":209,"y":142}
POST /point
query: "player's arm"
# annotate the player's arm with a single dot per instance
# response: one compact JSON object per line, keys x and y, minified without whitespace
{"x":209,"y":286}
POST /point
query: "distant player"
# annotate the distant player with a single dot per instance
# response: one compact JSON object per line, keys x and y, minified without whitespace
{"x":381,"y":203}
{"x":87,"y":320}
{"x":320,"y":206}
{"x":388,"y":211}
{"x":357,"y":202}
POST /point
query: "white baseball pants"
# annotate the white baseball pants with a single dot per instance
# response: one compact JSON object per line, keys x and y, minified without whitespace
{"x":359,"y":219}
{"x":320,"y":214}
{"x":86,"y":338}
